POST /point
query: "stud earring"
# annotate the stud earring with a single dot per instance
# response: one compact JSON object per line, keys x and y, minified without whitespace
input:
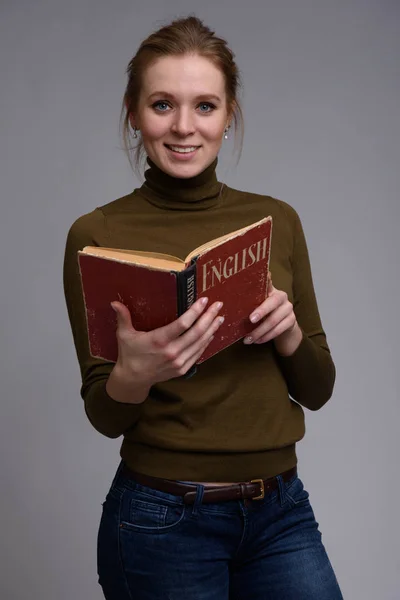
{"x":226,"y":133}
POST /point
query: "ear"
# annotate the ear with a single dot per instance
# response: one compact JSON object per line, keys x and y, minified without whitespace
{"x":132,"y":118}
{"x":132,"y":121}
{"x":231,"y":111}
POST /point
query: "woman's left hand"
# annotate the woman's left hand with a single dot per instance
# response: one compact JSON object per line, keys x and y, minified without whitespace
{"x":277,"y":322}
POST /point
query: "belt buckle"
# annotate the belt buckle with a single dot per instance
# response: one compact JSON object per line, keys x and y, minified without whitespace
{"x":261,"y":482}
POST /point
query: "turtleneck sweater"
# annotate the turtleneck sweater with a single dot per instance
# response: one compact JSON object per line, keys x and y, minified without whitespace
{"x":240,"y":416}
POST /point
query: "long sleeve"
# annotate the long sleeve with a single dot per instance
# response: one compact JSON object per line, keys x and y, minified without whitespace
{"x":309,"y":371}
{"x":109,"y":417}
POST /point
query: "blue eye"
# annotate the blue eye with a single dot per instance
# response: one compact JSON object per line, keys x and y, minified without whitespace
{"x":208,"y":107}
{"x":161,"y":106}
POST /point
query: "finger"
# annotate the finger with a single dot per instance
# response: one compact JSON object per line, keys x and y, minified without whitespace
{"x":193,"y":348}
{"x":270,"y":323}
{"x":207,"y":323}
{"x":269,"y":305}
{"x":168,"y":333}
{"x":194,"y":357}
{"x":124,"y":320}
{"x":276,"y":331}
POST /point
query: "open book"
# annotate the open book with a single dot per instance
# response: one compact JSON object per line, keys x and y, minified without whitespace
{"x":157,"y":288}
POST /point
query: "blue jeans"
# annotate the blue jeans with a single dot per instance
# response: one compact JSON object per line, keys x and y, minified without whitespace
{"x":151,"y":546}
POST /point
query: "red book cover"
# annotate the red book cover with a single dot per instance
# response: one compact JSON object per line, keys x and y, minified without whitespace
{"x":236,"y":274}
{"x":158,"y":288}
{"x":149,"y":294}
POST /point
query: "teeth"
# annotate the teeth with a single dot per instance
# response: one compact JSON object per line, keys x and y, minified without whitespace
{"x":183,"y":150}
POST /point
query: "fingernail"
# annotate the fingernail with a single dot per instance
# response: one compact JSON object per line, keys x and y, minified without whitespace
{"x":220,"y":305}
{"x":221,"y":320}
{"x":248,"y":340}
{"x":254,"y":318}
{"x":113,"y":307}
{"x":203,"y":301}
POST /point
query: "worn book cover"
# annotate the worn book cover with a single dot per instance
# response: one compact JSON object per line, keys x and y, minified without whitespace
{"x":157,"y":288}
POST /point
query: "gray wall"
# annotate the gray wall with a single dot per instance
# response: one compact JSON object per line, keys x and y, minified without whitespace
{"x":322,"y":132}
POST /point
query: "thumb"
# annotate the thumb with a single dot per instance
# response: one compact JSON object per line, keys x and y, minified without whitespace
{"x":124,"y":320}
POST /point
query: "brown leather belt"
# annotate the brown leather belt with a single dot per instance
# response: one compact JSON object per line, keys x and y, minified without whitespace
{"x":256,"y":489}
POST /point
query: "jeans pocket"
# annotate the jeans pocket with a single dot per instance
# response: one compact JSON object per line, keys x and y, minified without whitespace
{"x":145,"y":514}
{"x":296,"y":494}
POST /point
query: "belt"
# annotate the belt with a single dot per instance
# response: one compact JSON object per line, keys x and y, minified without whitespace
{"x":255,"y":489}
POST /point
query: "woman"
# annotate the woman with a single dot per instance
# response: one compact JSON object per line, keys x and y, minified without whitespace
{"x":206,"y":502}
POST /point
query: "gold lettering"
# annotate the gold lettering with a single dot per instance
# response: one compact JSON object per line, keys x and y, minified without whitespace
{"x":190,"y":290}
{"x":264,"y":253}
{"x":236,"y":263}
{"x":244,"y":259}
{"x":215,"y":272}
{"x":258,"y":250}
{"x":205,"y":273}
{"x":218,"y":274}
{"x":228,"y":273}
{"x":251,"y":254}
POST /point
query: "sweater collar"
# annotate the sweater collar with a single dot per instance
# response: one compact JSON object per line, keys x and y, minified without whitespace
{"x":196,"y":193}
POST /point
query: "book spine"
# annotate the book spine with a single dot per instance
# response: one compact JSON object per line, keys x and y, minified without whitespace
{"x":187,"y":295}
{"x":187,"y":289}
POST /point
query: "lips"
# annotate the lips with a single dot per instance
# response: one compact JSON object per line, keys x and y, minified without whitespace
{"x":181,"y":149}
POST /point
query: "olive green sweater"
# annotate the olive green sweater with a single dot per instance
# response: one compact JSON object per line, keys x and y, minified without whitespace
{"x":240,"y":416}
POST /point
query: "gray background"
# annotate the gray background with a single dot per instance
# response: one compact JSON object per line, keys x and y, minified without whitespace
{"x":322,"y":123}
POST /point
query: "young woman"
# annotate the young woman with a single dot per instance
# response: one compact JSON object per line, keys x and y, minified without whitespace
{"x":206,"y":502}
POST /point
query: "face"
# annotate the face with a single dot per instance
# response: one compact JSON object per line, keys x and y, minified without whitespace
{"x":182,"y":114}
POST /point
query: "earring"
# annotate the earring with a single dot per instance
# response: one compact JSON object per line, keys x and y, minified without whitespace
{"x":135,"y":133}
{"x":226,"y":133}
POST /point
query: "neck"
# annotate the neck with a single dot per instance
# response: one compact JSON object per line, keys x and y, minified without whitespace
{"x":173,"y":193}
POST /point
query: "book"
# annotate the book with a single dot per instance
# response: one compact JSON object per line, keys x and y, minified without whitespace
{"x":158,"y":288}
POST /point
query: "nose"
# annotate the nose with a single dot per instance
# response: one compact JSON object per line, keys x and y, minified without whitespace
{"x":183,"y":123}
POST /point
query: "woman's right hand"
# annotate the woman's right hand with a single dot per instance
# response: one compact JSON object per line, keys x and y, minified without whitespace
{"x":146,"y":358}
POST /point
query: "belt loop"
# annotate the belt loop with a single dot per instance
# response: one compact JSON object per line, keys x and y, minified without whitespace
{"x":198,"y":500}
{"x":281,"y":489}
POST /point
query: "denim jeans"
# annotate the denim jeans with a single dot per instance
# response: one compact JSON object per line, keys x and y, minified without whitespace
{"x":151,"y":546}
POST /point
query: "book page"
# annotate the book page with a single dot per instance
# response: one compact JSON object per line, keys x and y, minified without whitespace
{"x":154,"y":260}
{"x":220,"y":240}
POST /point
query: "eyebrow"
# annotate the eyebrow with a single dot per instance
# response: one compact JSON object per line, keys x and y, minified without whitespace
{"x":169,"y":96}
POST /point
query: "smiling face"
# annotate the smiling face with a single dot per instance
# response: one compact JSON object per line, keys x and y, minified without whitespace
{"x":182,"y":114}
